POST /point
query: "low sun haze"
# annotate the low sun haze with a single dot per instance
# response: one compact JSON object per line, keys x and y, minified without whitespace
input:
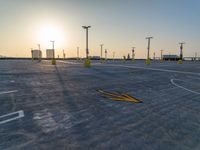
{"x":118,"y":24}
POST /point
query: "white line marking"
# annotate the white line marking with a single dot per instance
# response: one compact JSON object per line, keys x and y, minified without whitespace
{"x":7,"y":92}
{"x":69,"y":62}
{"x":20,"y":115}
{"x":75,"y":63}
{"x":154,"y":69}
{"x":172,"y":81}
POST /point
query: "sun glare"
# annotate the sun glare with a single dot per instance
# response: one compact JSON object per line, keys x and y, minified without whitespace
{"x":51,"y":33}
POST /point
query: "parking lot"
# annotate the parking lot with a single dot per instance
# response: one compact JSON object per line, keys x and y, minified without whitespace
{"x":59,"y":107}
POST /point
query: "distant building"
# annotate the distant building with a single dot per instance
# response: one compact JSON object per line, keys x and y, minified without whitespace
{"x":36,"y":54}
{"x":50,"y":53}
{"x":171,"y":57}
{"x":94,"y":57}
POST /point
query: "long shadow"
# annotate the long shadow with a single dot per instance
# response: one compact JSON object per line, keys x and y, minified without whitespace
{"x":68,"y":99}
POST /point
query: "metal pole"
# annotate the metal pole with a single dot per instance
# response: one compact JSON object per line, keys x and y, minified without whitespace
{"x":77,"y":52}
{"x":133,"y":53}
{"x":87,"y":50}
{"x":32,"y":53}
{"x":105,"y":54}
{"x":101,"y":50}
{"x":53,"y":49}
{"x":161,"y":54}
{"x":39,"y":51}
{"x":148,"y":48}
{"x":181,"y":50}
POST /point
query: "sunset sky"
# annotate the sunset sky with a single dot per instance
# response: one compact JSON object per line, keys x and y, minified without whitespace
{"x":118,"y":24}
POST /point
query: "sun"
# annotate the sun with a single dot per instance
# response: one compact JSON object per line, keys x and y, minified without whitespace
{"x":48,"y":33}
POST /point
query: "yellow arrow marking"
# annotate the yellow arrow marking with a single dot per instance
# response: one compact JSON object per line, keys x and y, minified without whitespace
{"x":119,"y":97}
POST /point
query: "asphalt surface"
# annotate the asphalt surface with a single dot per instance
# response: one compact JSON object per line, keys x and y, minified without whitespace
{"x":59,"y":108}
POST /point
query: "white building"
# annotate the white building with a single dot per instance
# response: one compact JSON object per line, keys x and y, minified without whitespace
{"x":50,"y":53}
{"x":36,"y":54}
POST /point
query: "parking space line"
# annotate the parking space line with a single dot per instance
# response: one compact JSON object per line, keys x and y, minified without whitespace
{"x":172,"y":81}
{"x":155,"y":69}
{"x":20,"y":115}
{"x":7,"y":92}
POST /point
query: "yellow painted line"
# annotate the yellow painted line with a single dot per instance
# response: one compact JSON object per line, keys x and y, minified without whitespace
{"x":109,"y":94}
{"x":119,"y":97}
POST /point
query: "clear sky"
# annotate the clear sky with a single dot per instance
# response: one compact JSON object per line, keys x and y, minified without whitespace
{"x":118,"y":24}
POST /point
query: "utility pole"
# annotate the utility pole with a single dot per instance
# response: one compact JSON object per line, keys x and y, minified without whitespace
{"x":133,"y":53}
{"x":87,"y":50}
{"x":154,"y":56}
{"x":161,"y":54}
{"x":148,"y":48}
{"x":101,"y":50}
{"x":181,"y":50}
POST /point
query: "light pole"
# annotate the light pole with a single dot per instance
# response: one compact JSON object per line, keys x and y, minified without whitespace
{"x":113,"y":56}
{"x":53,"y":48}
{"x":181,"y":50}
{"x":101,"y":50}
{"x":161,"y":55}
{"x":77,"y":53}
{"x":32,"y":53}
{"x":39,"y":53}
{"x":148,"y":48}
{"x":133,"y":53}
{"x":53,"y":59}
{"x":106,"y":54}
{"x":87,"y":50}
{"x":63,"y":54}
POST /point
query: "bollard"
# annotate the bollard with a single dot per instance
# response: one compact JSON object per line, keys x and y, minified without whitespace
{"x":180,"y":61}
{"x":53,"y":61}
{"x":87,"y":63}
{"x":148,"y":61}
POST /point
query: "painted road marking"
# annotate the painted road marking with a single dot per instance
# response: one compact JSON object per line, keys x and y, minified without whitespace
{"x":69,"y":62}
{"x":154,"y":69}
{"x":7,"y":92}
{"x":73,"y":63}
{"x":20,"y":115}
{"x":119,"y":97}
{"x":175,"y":84}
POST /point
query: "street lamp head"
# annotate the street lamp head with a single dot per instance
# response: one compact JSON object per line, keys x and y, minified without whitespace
{"x":86,"y":27}
{"x":149,"y":37}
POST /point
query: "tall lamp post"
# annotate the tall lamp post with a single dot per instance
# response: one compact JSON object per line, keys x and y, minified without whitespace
{"x":77,"y":53}
{"x":133,"y":53}
{"x":148,"y":50}
{"x":181,"y":50}
{"x":87,"y":50}
{"x":87,"y":61}
{"x":53,"y":59}
{"x":106,"y":54}
{"x":181,"y":53}
{"x":39,"y":53}
{"x":161,"y":55}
